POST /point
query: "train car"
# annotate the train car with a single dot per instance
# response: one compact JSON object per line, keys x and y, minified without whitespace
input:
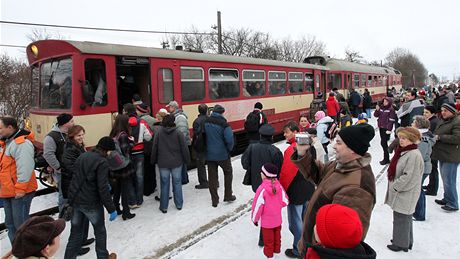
{"x":93,"y":80}
{"x":345,"y":75}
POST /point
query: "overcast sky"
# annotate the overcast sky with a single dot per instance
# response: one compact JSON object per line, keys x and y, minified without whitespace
{"x":430,"y":29}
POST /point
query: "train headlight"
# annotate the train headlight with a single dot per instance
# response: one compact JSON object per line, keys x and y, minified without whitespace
{"x":34,"y":50}
{"x":28,"y":123}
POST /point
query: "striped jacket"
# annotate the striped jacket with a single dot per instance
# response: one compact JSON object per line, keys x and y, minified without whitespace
{"x":266,"y":206}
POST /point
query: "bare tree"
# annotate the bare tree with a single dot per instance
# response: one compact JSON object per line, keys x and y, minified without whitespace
{"x":43,"y":34}
{"x":413,"y":71}
{"x":352,"y":55}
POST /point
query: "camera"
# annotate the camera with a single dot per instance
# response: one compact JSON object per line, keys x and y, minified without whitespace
{"x":303,"y":139}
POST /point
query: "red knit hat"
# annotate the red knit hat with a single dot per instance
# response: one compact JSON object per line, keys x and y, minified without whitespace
{"x":338,"y":226}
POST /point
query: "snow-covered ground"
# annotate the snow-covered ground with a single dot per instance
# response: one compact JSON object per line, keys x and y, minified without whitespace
{"x":201,"y":231}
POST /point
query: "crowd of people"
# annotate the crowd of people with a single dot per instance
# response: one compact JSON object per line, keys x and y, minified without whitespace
{"x":324,"y":177}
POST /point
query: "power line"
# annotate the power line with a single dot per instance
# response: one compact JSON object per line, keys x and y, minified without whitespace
{"x":11,"y":46}
{"x":103,"y":29}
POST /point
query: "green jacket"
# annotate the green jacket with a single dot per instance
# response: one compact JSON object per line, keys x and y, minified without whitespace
{"x":447,"y":146}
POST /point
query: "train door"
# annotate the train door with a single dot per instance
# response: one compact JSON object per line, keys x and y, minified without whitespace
{"x":165,"y":83}
{"x":133,"y":78}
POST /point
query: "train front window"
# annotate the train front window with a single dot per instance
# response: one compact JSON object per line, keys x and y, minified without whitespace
{"x":56,"y":84}
{"x":95,"y":81}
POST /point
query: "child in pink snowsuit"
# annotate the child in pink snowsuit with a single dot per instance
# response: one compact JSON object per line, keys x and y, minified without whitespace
{"x":270,"y":198}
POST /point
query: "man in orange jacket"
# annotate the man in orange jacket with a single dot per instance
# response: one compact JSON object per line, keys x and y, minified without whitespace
{"x":17,"y":177}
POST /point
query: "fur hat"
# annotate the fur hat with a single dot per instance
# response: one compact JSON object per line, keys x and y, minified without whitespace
{"x":63,"y":118}
{"x":106,"y":143}
{"x":35,"y":234}
{"x":412,"y":134}
{"x":338,"y":226}
{"x":267,"y":130}
{"x":270,"y":170}
{"x":357,"y":137}
{"x":450,"y":107}
{"x":258,"y":105}
{"x":218,"y":109}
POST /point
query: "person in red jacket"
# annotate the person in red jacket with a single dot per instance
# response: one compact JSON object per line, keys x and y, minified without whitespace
{"x":332,"y":106}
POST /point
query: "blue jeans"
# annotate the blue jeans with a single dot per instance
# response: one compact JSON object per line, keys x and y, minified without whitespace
{"x":61,"y":201}
{"x":420,"y":209}
{"x":16,"y":212}
{"x":96,"y":217}
{"x":449,"y":180}
{"x":138,"y":198}
{"x":165,"y":175}
{"x":368,"y":113}
{"x":295,"y":219}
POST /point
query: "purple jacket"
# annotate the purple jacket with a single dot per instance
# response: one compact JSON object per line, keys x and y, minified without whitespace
{"x":267,"y":205}
{"x":386,"y":116}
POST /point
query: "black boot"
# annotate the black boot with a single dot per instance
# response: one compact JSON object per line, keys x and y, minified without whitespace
{"x":88,"y":242}
{"x":396,"y":248}
{"x":83,"y":250}
{"x":128,"y":215}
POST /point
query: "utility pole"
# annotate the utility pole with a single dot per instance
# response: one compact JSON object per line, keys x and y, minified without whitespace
{"x":219,"y":33}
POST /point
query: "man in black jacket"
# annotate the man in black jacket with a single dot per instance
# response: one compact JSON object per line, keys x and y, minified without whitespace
{"x":89,"y":193}
{"x":199,"y":146}
{"x":432,"y":187}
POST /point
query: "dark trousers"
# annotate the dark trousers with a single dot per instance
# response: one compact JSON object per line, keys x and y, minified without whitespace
{"x":355,"y":110}
{"x":226,"y":166}
{"x":403,"y":235}
{"x":200,"y":159}
{"x":272,"y":241}
{"x":384,"y":137}
{"x":433,"y":185}
{"x":150,"y":179}
{"x":122,"y":188}
{"x":96,"y":217}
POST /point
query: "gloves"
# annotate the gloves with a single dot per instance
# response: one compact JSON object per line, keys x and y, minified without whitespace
{"x":388,"y":132}
{"x":113,"y":216}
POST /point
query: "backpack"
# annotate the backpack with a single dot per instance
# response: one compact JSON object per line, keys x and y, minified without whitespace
{"x":199,"y":139}
{"x":331,"y":130}
{"x":116,"y":159}
{"x":252,"y":122}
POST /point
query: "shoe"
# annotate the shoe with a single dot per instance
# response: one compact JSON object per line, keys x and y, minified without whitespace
{"x":214,"y":204}
{"x":164,"y":211}
{"x":425,"y":187}
{"x":112,"y":256}
{"x":440,"y":202}
{"x":415,"y":219}
{"x":128,"y":216}
{"x":157,"y":198}
{"x":135,"y":206}
{"x":119,"y":211}
{"x":179,"y":208}
{"x":431,"y":193}
{"x":88,"y":242}
{"x":384,"y":162}
{"x":261,"y":243}
{"x":410,"y":246}
{"x":230,"y":199}
{"x":83,"y":251}
{"x":396,"y":248}
{"x":290,"y":253}
{"x":448,"y":208}
{"x":201,"y":186}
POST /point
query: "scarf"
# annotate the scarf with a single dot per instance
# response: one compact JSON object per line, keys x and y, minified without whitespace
{"x":395,"y":158}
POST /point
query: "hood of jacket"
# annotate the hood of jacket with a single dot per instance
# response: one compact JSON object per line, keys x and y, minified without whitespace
{"x":179,"y":112}
{"x":427,"y":136}
{"x":325,"y":120}
{"x":21,"y":132}
{"x":168,"y":130}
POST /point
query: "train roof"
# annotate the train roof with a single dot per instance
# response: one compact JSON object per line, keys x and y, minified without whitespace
{"x":88,"y":47}
{"x":343,"y":65}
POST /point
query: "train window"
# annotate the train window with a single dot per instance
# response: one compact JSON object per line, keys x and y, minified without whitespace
{"x":192,"y":83}
{"x":56,"y":84}
{"x":35,"y":86}
{"x":165,"y":85}
{"x":276,"y":82}
{"x":335,"y":81}
{"x":253,"y":83}
{"x":309,"y":82}
{"x":318,"y":89}
{"x":356,"y":79}
{"x":363,"y":81}
{"x":295,"y":82}
{"x":95,"y":82}
{"x":223,"y":83}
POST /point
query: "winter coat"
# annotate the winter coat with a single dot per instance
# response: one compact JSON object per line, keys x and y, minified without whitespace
{"x":198,"y":125}
{"x":450,"y":97}
{"x":425,"y":147}
{"x":149,"y":119}
{"x":141,"y":133}
{"x":361,"y":251}
{"x":332,"y":106}
{"x":439,"y":101}
{"x":256,"y":155}
{"x":52,"y":150}
{"x":345,"y":121}
{"x":169,"y":148}
{"x":403,"y":192}
{"x":351,"y":184}
{"x":71,"y":153}
{"x":434,"y":122}
{"x":17,"y":165}
{"x":267,"y":206}
{"x":321,"y":129}
{"x":219,"y":138}
{"x":298,"y":189}
{"x":386,"y":116}
{"x":355,"y":98}
{"x":126,"y":144}
{"x":408,"y":110}
{"x":339,"y":96}
{"x":447,"y":147}
{"x":367,"y":100}
{"x":181,"y":121}
{"x":90,"y":185}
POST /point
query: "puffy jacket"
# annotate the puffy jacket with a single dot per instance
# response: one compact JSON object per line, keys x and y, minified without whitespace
{"x":425,"y":147}
{"x":267,"y":205}
{"x":355,"y":98}
{"x":141,"y":133}
{"x":408,"y":110}
{"x":17,"y":164}
{"x":447,"y":147}
{"x":71,"y":153}
{"x":219,"y":138}
{"x":169,"y":148}
{"x":181,"y":121}
{"x":332,"y":106}
{"x":321,"y":129}
{"x":386,"y":116}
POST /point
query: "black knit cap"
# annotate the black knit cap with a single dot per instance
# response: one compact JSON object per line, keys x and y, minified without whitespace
{"x":430,"y":108}
{"x":35,"y":234}
{"x":258,"y":105}
{"x":63,"y":118}
{"x":218,"y":108}
{"x":357,"y":137}
{"x":106,"y":143}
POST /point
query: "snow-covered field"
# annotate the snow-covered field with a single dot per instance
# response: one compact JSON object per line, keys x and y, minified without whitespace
{"x":201,"y":231}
